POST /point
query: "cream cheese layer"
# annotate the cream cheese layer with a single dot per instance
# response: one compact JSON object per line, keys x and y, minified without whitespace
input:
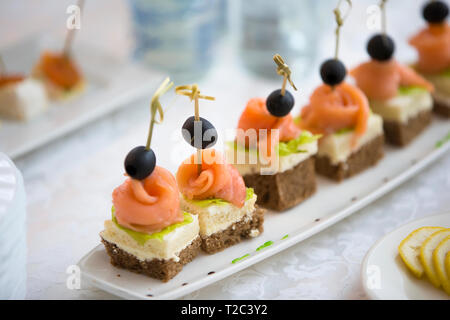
{"x":167,"y":248}
{"x":218,"y":217}
{"x":403,"y":107}
{"x":338,"y":146}
{"x":253,"y":164}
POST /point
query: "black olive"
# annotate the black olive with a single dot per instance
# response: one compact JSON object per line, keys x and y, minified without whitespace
{"x":435,"y":11}
{"x":140,"y":163}
{"x":332,"y":72}
{"x":199,"y":134}
{"x":381,"y":47}
{"x":279,"y":105}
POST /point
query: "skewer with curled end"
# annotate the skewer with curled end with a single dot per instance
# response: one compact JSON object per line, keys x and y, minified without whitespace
{"x":197,"y":131}
{"x":141,"y":161}
{"x":333,"y":71}
{"x":280,"y":102}
{"x":381,"y":47}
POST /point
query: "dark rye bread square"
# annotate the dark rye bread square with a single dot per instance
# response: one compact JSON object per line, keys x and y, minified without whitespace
{"x":368,"y":155}
{"x":163,"y":270}
{"x":235,"y":233}
{"x":400,"y":134}
{"x":441,"y":107}
{"x":286,"y":189}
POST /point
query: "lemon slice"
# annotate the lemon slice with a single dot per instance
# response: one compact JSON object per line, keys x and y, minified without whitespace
{"x":409,"y":248}
{"x":439,"y":256}
{"x":426,"y":255}
{"x":447,"y":265}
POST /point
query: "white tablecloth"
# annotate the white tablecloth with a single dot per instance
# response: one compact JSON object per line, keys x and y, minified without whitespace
{"x":69,"y":183}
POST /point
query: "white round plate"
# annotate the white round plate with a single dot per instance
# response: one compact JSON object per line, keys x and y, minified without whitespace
{"x":384,"y":275}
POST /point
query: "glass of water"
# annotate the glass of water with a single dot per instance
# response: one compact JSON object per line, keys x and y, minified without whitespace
{"x":288,"y":27}
{"x":176,"y":36}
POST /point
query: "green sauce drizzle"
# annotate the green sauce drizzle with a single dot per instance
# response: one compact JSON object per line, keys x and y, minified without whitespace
{"x":404,"y":91}
{"x":265,"y":245}
{"x":444,"y":140}
{"x":142,"y":238}
{"x":240,"y":258}
{"x":208,"y":202}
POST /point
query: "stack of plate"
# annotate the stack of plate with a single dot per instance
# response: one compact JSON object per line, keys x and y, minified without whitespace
{"x":12,"y":232}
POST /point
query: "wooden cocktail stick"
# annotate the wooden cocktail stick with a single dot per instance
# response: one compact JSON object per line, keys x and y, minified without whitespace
{"x":283,"y":70}
{"x":2,"y":66}
{"x":193,"y":93}
{"x":155,"y":106}
{"x":340,"y":21}
{"x":71,"y":33}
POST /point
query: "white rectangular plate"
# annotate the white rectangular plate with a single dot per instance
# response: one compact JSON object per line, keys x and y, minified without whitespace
{"x":110,"y":84}
{"x":332,"y":202}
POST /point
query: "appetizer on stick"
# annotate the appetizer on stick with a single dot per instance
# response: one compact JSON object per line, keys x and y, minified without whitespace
{"x":274,"y":156}
{"x":60,"y":75}
{"x":433,"y":47}
{"x":396,"y":92}
{"x":148,"y":232}
{"x":59,"y":72}
{"x":213,"y":189}
{"x":352,"y":136}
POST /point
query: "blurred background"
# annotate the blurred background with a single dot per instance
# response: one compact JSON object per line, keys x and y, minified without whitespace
{"x":226,"y":46}
{"x":188,"y":38}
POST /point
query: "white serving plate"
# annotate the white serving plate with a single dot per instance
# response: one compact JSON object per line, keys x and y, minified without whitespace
{"x":110,"y":84}
{"x":385,"y":276}
{"x":332,"y":203}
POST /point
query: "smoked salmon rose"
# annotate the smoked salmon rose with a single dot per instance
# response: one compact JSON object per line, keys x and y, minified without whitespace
{"x":217,"y":179}
{"x":333,"y":108}
{"x":256,"y":116}
{"x":148,"y":205}
{"x":381,"y":80}
{"x":433,"y":46}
